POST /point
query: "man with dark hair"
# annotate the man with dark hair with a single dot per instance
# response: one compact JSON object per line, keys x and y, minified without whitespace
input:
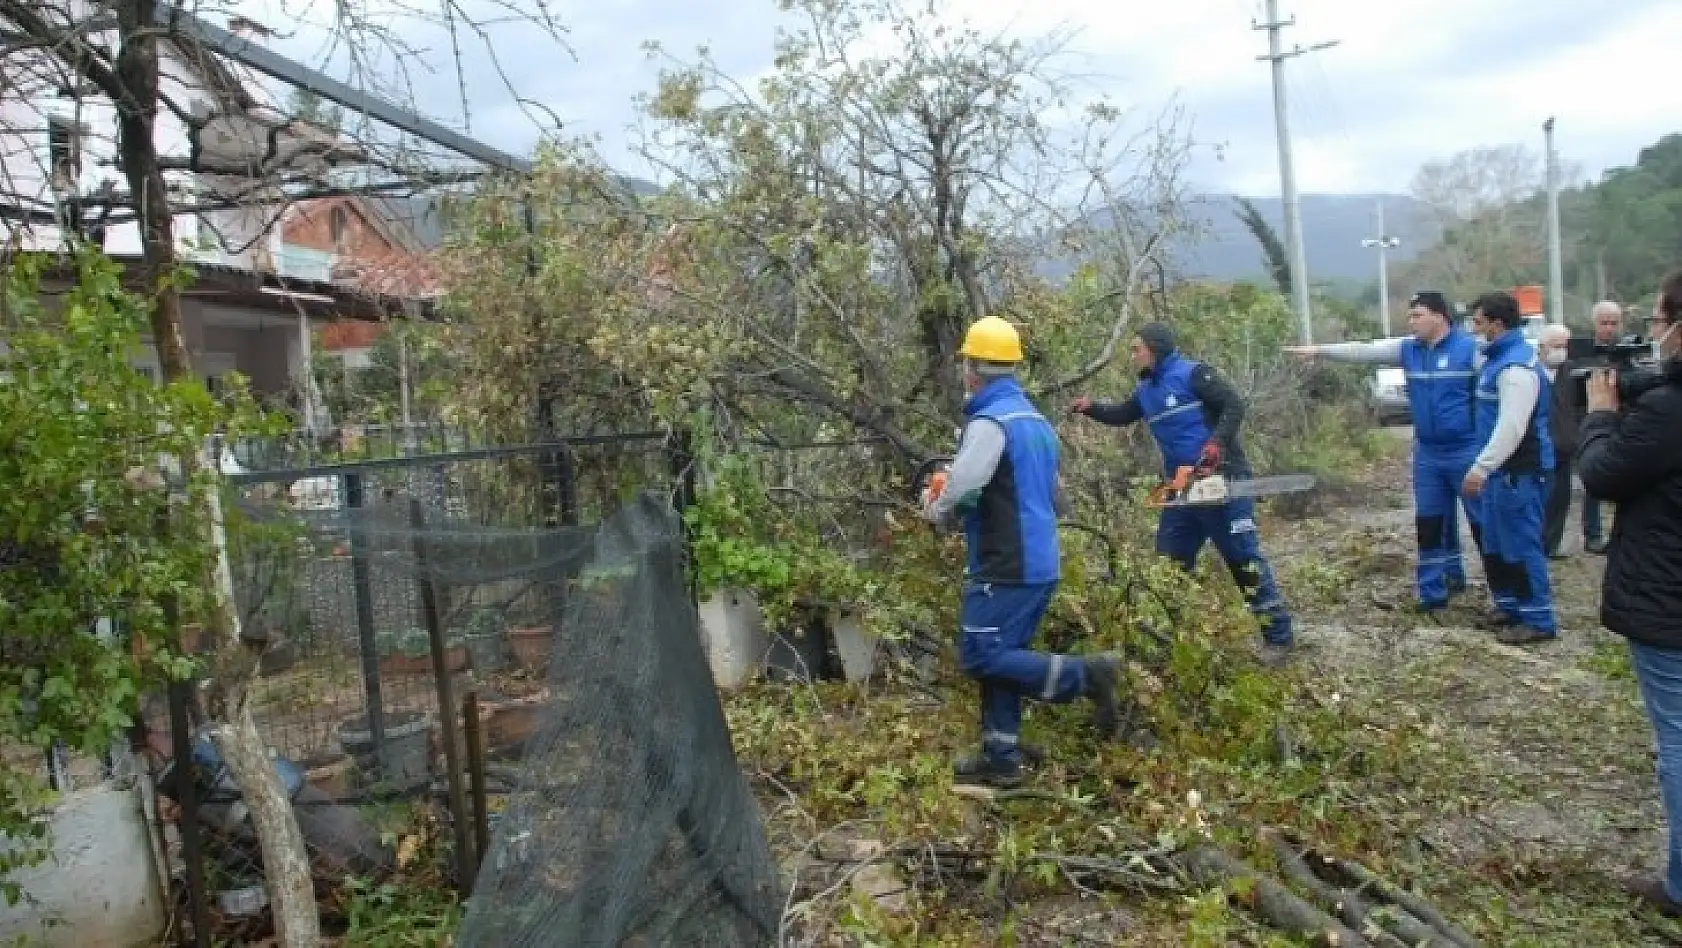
{"x":1194,"y":416}
{"x":1631,"y":455}
{"x":1003,"y":487}
{"x":1440,"y":362}
{"x":1511,"y":475}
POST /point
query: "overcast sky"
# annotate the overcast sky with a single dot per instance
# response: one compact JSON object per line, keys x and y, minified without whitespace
{"x":1410,"y":80}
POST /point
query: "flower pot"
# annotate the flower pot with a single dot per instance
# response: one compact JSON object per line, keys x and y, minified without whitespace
{"x":397,"y":663}
{"x":406,"y":758}
{"x":532,"y":646}
{"x":509,"y":724}
{"x":486,"y":651}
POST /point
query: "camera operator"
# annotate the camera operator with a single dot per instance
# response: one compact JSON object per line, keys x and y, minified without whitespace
{"x":1631,"y":455}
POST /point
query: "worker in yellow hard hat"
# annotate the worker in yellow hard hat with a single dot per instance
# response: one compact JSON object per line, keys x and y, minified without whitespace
{"x":1003,"y":484}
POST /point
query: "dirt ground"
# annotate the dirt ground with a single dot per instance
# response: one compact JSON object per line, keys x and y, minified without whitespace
{"x":1546,"y":746}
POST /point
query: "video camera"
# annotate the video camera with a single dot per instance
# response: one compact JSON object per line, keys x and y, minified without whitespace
{"x":1631,"y":356}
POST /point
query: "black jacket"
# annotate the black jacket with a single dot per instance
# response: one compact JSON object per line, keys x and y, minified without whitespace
{"x":1565,"y":411}
{"x":1634,"y":459}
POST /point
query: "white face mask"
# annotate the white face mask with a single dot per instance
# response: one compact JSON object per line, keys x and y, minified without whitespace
{"x":1555,"y":357}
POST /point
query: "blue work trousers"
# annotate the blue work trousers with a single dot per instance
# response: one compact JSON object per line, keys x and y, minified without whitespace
{"x":1438,"y":474}
{"x":1514,"y":563}
{"x":1231,"y":527}
{"x":998,"y":622}
{"x":1659,"y":673}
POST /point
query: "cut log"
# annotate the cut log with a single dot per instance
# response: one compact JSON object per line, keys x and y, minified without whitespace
{"x":1270,"y":899}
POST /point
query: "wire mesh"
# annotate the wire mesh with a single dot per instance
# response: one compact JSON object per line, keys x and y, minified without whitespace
{"x":628,"y":822}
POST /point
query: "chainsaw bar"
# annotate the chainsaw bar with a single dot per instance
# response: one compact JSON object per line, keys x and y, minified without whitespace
{"x":1247,"y":488}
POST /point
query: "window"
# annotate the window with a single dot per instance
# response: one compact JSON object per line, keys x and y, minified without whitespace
{"x":64,"y":152}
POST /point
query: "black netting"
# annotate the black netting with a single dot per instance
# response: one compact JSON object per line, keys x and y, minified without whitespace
{"x":629,"y":822}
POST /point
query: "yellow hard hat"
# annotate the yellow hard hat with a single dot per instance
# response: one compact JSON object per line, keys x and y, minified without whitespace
{"x":991,"y":339}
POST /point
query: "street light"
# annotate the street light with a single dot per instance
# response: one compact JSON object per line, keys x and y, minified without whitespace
{"x":1383,"y":243}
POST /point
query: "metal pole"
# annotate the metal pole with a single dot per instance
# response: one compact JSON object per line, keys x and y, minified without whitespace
{"x":362,"y":589}
{"x":1556,"y":268}
{"x":446,"y":700}
{"x":1383,"y":242}
{"x":476,"y":779}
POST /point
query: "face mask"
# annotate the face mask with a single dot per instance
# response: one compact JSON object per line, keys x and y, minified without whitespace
{"x":1555,"y":357}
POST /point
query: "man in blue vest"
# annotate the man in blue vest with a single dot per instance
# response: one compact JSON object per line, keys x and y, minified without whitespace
{"x":1003,"y":484}
{"x":1511,"y":476}
{"x":1194,"y":416}
{"x":1440,"y":362}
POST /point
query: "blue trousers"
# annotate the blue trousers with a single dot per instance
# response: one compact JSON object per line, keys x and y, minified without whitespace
{"x":998,"y":622}
{"x":1514,"y":562}
{"x":1231,"y":527}
{"x":1659,"y":672}
{"x":1437,"y":476}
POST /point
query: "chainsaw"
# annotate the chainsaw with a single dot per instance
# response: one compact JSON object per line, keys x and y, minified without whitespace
{"x":1201,"y":487}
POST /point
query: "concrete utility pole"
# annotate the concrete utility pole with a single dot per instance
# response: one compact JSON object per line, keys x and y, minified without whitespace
{"x":1556,"y":269}
{"x":1276,"y":55}
{"x":1383,"y":242}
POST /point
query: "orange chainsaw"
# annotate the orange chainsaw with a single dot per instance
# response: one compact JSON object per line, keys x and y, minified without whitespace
{"x":1201,"y":487}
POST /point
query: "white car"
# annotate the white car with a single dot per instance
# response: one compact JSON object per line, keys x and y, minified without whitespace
{"x":1390,"y":394}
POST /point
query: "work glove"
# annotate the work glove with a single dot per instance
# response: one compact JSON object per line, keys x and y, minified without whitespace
{"x":1210,"y":459}
{"x":1081,"y":405}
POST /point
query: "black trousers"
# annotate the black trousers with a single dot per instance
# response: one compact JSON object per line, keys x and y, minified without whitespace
{"x":1559,"y":505}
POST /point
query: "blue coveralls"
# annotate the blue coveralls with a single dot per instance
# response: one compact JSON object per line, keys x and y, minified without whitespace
{"x":1441,"y":380}
{"x":1514,"y":497}
{"x":1014,"y":564}
{"x":1181,"y":429}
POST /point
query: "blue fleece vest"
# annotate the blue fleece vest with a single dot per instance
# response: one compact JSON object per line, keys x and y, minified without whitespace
{"x":1535,"y":453}
{"x":1176,"y":417}
{"x":1441,"y":385}
{"x":1011,"y":531}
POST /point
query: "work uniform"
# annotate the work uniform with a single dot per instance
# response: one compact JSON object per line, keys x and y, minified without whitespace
{"x":1441,"y":380}
{"x":1187,"y":405}
{"x":1516,"y":489}
{"x":1010,"y":528}
{"x":1441,"y":386}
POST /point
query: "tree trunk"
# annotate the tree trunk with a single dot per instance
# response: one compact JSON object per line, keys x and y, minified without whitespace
{"x":285,"y":862}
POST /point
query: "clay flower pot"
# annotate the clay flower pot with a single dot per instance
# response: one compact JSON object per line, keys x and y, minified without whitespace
{"x":397,"y":663}
{"x":532,"y":645}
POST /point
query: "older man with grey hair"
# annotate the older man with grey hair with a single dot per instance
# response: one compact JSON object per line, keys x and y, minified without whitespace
{"x":1608,"y":319}
{"x":1564,"y":416}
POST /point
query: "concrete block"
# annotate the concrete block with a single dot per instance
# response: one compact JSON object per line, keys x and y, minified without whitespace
{"x":733,"y":632}
{"x":855,"y":647}
{"x":99,"y":888}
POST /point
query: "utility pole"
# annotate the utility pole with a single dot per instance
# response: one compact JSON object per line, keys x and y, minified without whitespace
{"x":1276,"y":55}
{"x":1556,"y":268}
{"x":1383,"y":242}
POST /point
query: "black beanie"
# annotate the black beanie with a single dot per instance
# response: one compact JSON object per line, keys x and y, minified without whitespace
{"x":1433,"y":301}
{"x":1158,"y":338}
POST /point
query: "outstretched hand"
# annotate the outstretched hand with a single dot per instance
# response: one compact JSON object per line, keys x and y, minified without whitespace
{"x":1080,"y":405}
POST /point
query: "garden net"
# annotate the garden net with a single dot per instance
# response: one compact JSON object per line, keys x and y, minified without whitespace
{"x":628,"y":821}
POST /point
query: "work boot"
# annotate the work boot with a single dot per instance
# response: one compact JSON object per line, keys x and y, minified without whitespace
{"x":1493,"y":621}
{"x":984,"y":770}
{"x":1516,"y":634}
{"x":1033,"y":755}
{"x":1653,"y":894}
{"x":1103,"y":675}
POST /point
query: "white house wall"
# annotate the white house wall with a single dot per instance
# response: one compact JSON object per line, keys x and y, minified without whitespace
{"x":27,"y":100}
